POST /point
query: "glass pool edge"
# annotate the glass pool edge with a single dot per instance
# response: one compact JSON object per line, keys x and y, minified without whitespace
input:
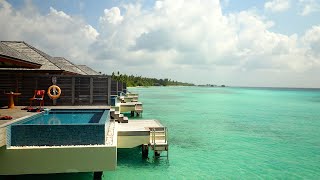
{"x":39,"y":135}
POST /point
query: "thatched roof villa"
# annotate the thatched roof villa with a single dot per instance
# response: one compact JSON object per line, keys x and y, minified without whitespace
{"x":24,"y":68}
{"x":21,"y":56}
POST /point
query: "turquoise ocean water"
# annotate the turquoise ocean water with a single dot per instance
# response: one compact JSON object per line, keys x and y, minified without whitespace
{"x":227,"y":133}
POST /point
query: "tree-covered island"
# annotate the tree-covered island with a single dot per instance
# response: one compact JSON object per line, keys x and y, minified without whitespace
{"x":133,"y":81}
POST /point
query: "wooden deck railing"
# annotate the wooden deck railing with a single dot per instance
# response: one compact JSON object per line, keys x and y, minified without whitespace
{"x":76,"y":89}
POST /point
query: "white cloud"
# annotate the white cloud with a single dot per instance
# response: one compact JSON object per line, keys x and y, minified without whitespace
{"x":59,"y":14}
{"x":201,"y":35}
{"x":277,"y":5}
{"x":184,"y":40}
{"x":311,"y":40}
{"x":309,"y":6}
{"x":112,"y":16}
{"x":175,"y":34}
{"x":56,"y":32}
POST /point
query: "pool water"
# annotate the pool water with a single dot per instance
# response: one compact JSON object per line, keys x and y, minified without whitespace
{"x":60,"y":128}
{"x":55,"y":117}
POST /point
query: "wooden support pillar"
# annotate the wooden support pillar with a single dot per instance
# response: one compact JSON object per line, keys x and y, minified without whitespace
{"x":91,"y":90}
{"x":117,"y":88}
{"x":109,"y":91}
{"x":145,"y":150}
{"x":73,"y":84}
{"x":156,"y":154}
{"x":97,"y":175}
{"x":36,"y":85}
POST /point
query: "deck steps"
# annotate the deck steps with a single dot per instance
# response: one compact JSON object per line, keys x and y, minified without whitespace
{"x":125,"y":119}
{"x":117,"y":116}
{"x":138,"y":108}
{"x":159,"y":141}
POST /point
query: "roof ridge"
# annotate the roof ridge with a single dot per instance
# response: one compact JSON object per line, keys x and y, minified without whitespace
{"x":74,"y":65}
{"x":14,"y":41}
{"x":88,"y":68}
{"x":41,"y":53}
{"x":37,"y":50}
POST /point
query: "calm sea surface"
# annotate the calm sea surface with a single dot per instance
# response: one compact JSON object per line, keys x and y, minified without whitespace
{"x":227,"y":133}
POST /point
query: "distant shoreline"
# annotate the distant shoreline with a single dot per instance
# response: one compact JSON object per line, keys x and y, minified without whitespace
{"x":249,"y":87}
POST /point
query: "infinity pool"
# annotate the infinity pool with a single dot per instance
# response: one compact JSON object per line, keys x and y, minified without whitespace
{"x":60,"y":128}
{"x":74,"y":116}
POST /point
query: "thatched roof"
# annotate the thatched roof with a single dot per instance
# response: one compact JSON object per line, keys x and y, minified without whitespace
{"x":31,"y":70}
{"x":12,"y":54}
{"x":35,"y":55}
{"x":88,"y":70}
{"x":66,"y":65}
{"x":25,"y":52}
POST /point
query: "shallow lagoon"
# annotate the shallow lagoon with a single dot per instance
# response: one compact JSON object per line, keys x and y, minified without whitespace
{"x":228,"y":133}
{"x":225,"y":133}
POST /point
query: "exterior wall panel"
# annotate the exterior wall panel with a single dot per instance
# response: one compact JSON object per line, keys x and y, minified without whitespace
{"x":75,"y":89}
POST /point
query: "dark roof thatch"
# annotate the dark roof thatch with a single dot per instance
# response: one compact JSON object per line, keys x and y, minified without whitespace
{"x":15,"y":56}
{"x":88,"y":70}
{"x":35,"y":55}
{"x":66,"y":65}
{"x":23,"y":51}
{"x":30,"y":70}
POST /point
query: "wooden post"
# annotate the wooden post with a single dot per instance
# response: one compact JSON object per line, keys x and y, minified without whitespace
{"x":121,"y":87}
{"x":97,"y":175}
{"x":117,"y":88}
{"x":157,"y":154}
{"x":36,"y":80}
{"x":145,"y":150}
{"x":73,"y":84}
{"x":91,"y":90}
{"x":109,"y":90}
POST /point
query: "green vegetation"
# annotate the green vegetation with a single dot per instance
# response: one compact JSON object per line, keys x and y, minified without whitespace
{"x":132,"y":81}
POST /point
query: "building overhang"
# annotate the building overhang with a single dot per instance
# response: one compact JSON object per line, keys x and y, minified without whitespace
{"x":8,"y":62}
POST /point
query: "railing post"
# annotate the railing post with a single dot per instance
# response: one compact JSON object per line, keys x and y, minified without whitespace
{"x":117,"y":88}
{"x":91,"y":90}
{"x":109,"y":90}
{"x":73,"y":84}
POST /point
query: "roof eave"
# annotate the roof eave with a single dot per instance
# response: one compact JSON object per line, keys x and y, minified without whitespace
{"x":19,"y":62}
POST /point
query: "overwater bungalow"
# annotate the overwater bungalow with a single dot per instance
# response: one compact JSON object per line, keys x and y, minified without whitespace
{"x":77,"y":130}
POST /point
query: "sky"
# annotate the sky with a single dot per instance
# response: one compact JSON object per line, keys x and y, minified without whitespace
{"x":270,"y":43}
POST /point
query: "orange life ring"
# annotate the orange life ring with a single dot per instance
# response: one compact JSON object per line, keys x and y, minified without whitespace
{"x":57,"y":93}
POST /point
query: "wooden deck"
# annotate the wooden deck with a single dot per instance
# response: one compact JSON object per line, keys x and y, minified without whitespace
{"x":130,"y":107}
{"x":138,"y":125}
{"x":15,"y":113}
{"x":136,"y":133}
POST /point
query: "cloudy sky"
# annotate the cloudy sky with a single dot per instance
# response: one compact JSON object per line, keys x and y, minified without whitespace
{"x":232,"y":42}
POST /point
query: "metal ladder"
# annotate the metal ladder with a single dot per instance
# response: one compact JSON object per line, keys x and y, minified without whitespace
{"x":159,"y":141}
